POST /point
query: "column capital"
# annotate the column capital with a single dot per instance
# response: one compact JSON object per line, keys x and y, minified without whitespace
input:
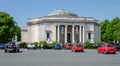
{"x":73,"y":25}
{"x":65,"y":25}
{"x":57,"y":25}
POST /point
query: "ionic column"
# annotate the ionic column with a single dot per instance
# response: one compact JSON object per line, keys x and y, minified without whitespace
{"x":73,"y":40}
{"x":58,"y":29}
{"x":65,"y":33}
{"x":80,"y":34}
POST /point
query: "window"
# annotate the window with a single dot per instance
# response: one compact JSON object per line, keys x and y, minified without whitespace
{"x":89,"y":36}
{"x":47,"y":35}
{"x":62,"y":29}
{"x":76,"y":30}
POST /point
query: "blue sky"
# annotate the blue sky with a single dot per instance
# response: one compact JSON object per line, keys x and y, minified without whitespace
{"x":22,"y":10}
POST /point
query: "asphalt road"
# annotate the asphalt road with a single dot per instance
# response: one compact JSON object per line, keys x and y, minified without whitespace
{"x":58,"y":58}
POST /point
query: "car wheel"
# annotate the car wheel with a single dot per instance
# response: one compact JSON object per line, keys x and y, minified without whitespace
{"x":105,"y":52}
{"x":73,"y":50}
{"x":5,"y":51}
{"x":82,"y":51}
{"x":98,"y":52}
{"x":34,"y":48}
{"x":28,"y":48}
{"x":114,"y":52}
{"x":18,"y":50}
{"x":102,"y":52}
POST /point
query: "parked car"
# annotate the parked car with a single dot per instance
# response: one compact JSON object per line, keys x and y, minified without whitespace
{"x":117,"y":47}
{"x":78,"y":48}
{"x":31,"y":46}
{"x":68,"y":46}
{"x":58,"y":46}
{"x":2,"y":46}
{"x":11,"y":46}
{"x":107,"y":48}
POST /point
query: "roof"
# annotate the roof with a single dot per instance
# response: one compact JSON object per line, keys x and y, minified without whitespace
{"x":62,"y":13}
{"x":61,"y":16}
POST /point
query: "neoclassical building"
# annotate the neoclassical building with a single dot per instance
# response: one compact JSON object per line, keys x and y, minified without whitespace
{"x":62,"y":26}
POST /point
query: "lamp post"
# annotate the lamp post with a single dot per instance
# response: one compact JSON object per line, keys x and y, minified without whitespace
{"x":15,"y":38}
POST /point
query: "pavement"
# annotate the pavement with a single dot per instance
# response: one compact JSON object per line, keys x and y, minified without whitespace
{"x":58,"y":58}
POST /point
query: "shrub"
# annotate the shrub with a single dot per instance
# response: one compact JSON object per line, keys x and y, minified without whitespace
{"x":53,"y":44}
{"x":23,"y":45}
{"x":88,"y":45}
{"x":99,"y":43}
{"x":36,"y":44}
{"x":43,"y":42}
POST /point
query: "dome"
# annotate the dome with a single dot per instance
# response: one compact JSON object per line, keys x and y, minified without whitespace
{"x":62,"y":13}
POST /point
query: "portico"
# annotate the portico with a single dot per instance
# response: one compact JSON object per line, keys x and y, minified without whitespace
{"x":69,"y":33}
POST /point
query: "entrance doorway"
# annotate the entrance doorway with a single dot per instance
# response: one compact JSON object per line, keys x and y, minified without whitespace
{"x":69,"y":38}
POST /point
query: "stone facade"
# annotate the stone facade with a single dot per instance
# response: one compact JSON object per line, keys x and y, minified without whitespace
{"x":62,"y":26}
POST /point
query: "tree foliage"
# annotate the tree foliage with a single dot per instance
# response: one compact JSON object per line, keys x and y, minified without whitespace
{"x":110,"y":30}
{"x":103,"y":29}
{"x":8,"y":27}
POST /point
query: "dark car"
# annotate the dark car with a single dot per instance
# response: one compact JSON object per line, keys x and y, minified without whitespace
{"x":57,"y":46}
{"x":2,"y":46}
{"x":117,"y":47}
{"x":11,"y":46}
{"x":107,"y":48}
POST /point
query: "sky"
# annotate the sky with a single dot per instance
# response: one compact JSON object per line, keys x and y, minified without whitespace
{"x":22,"y":10}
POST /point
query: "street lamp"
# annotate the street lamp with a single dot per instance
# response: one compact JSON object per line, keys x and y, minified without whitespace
{"x":16,"y":37}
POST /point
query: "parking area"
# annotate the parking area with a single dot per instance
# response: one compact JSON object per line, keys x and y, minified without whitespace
{"x":58,"y":58}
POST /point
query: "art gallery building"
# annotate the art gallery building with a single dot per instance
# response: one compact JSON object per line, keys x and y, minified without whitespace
{"x":62,"y":26}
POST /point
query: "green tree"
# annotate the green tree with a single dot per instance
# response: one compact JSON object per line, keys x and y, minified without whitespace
{"x":8,"y":27}
{"x":18,"y":32}
{"x":103,"y":30}
{"x":116,"y":29}
{"x":110,"y":30}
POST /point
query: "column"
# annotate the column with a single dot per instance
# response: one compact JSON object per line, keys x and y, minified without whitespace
{"x":80,"y":34}
{"x":54,"y":34}
{"x":58,"y":35}
{"x":83,"y":34}
{"x":73,"y":40}
{"x":65,"y":33}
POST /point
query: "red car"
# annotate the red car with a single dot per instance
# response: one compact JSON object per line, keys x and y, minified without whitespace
{"x":78,"y":48}
{"x":106,"y":48}
{"x":68,"y":46}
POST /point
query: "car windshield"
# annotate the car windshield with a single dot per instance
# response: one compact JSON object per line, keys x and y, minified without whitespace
{"x":10,"y":44}
{"x":79,"y":45}
{"x":110,"y":45}
{"x":103,"y":45}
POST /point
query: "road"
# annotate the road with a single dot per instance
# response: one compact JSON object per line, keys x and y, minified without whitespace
{"x":58,"y":58}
